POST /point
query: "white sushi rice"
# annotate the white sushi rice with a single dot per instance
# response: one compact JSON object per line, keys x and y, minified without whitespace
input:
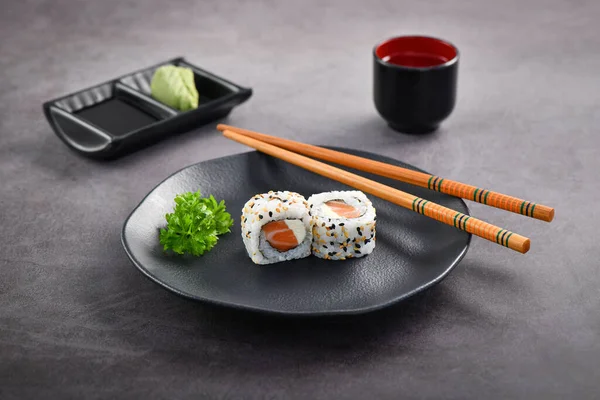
{"x":339,"y":238}
{"x":274,"y":206}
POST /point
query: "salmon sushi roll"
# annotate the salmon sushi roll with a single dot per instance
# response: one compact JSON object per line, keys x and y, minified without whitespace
{"x":276,"y":226}
{"x":343,"y":225}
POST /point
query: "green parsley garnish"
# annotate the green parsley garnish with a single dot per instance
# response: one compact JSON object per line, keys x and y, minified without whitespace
{"x":195,"y":224}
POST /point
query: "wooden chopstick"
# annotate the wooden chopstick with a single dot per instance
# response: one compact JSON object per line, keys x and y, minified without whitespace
{"x":440,"y":213}
{"x":453,"y":188}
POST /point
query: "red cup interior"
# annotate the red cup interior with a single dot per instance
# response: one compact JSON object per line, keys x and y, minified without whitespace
{"x":416,"y":51}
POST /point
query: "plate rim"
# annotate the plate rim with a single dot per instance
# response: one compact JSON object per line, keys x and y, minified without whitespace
{"x":352,"y":311}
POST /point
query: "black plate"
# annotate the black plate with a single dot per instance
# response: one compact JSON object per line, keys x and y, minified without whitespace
{"x":413,"y":252}
{"x":120,"y":116}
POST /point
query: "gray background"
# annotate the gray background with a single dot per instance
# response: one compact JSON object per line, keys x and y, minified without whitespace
{"x":78,"y":321}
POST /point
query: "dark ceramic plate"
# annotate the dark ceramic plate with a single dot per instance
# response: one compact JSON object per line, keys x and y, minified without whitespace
{"x":413,"y":252}
{"x":120,"y":116}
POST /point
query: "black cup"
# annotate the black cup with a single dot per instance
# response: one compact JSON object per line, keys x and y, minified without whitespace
{"x":414,"y":82}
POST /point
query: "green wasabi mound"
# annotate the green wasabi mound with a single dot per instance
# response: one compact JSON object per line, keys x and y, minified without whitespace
{"x":174,"y":86}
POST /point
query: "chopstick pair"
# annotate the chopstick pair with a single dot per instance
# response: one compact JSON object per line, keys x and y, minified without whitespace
{"x":276,"y":147}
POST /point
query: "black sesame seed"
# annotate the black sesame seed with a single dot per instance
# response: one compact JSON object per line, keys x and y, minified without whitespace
{"x":357,"y":251}
{"x":285,"y":201}
{"x":324,"y":246}
{"x":348,"y":240}
{"x":332,"y":226}
{"x":331,"y":243}
{"x":311,"y":206}
{"x":270,"y":213}
{"x":375,"y":219}
{"x":331,"y":253}
{"x":323,"y":224}
{"x":260,"y":216}
{"x":367,"y":241}
{"x":357,"y":245}
{"x":345,"y":248}
{"x":342,"y":224}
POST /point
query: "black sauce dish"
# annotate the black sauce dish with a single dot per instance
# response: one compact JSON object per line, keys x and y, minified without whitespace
{"x":120,"y":116}
{"x":415,"y":82}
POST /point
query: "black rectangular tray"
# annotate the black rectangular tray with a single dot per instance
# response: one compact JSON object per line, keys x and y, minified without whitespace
{"x":120,"y":116}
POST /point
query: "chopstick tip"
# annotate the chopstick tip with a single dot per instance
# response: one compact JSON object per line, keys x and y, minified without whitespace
{"x":526,"y":246}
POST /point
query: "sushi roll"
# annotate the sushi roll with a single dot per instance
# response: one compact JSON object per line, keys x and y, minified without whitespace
{"x":343,"y":225}
{"x":276,"y":226}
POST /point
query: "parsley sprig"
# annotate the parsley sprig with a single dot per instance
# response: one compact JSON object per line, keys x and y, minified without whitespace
{"x":195,"y":224}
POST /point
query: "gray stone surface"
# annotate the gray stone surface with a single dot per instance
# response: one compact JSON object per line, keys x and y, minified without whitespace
{"x":78,"y":321}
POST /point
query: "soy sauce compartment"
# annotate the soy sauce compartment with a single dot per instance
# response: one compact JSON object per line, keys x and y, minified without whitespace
{"x":116,"y":109}
{"x":124,"y":117}
{"x":209,"y":86}
{"x":96,"y":119}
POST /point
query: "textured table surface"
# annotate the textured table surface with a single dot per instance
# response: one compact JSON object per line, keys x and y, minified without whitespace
{"x":77,"y":320}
